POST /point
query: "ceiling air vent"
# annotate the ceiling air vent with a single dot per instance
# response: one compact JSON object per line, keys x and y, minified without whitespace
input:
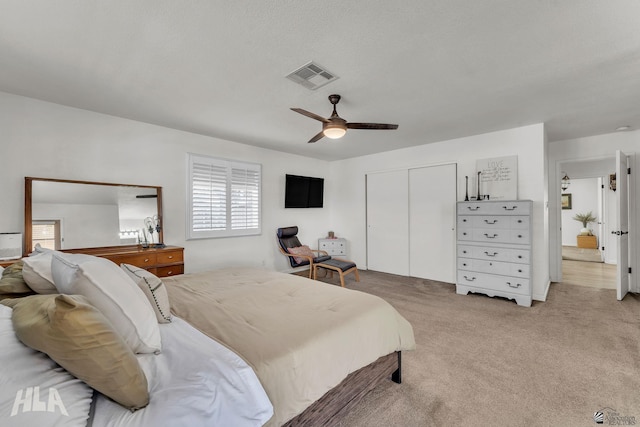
{"x":312,"y":76}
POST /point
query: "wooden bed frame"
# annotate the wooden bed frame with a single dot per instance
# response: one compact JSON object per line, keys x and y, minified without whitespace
{"x":337,"y":402}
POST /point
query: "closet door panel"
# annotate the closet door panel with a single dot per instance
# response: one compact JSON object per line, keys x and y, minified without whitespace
{"x":432,"y":216}
{"x":388,"y":222}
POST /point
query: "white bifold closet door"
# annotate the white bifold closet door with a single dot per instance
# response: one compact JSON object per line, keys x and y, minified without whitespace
{"x":410,"y":222}
{"x":388,"y":222}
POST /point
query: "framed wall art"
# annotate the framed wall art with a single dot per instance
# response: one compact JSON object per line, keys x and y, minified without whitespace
{"x":566,"y":201}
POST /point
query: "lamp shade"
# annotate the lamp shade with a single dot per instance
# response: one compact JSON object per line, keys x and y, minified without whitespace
{"x":565,"y":181}
{"x":334,"y":132}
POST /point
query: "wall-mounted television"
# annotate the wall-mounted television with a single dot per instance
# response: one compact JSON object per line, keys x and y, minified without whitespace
{"x":303,"y":192}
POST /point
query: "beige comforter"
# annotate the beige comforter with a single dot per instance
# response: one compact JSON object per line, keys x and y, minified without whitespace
{"x":301,"y":337}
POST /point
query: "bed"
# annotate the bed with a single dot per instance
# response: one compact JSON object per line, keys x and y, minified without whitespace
{"x":243,"y":347}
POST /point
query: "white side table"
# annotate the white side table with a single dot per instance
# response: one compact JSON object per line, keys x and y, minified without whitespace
{"x":334,"y":247}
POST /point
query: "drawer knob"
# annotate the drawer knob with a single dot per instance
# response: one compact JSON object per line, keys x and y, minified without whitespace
{"x":170,"y":257}
{"x":519,"y":256}
{"x":470,"y":279}
{"x":517,"y":285}
{"x":493,"y":254}
{"x":464,"y":220}
{"x":490,"y":263}
{"x":491,"y":237}
{"x":464,"y":252}
{"x":506,"y":208}
{"x":519,"y":221}
{"x":520,"y":236}
{"x":519,"y":270}
{"x":490,"y":223}
{"x":473,"y":208}
{"x":146,"y":260}
{"x":464,"y":264}
{"x":464,"y":234}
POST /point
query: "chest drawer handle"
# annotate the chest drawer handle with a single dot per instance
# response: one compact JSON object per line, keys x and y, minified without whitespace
{"x":170,"y":257}
{"x":146,"y":260}
{"x":470,"y":280}
{"x":519,"y":256}
{"x":464,"y":252}
{"x":464,"y":234}
{"x":517,"y":285}
{"x":493,"y":254}
{"x":464,"y":264}
{"x":506,"y":208}
{"x":464,"y":220}
{"x":519,"y":221}
{"x":491,"y":237}
{"x":491,"y":223}
{"x":519,"y":270}
{"x":473,"y":208}
{"x":519,"y":236}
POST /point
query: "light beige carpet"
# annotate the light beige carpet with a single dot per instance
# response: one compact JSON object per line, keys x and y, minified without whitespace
{"x":575,"y":253}
{"x":485,"y":361}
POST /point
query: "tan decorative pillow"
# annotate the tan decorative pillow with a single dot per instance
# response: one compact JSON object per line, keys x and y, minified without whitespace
{"x":301,"y":250}
{"x":153,"y":289}
{"x":12,"y":281}
{"x":81,"y":340}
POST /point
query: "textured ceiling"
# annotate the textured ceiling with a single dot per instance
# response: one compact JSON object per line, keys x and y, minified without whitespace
{"x":439,"y":69}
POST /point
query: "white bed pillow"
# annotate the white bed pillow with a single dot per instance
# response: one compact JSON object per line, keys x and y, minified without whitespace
{"x":34,"y":390}
{"x":37,"y":271}
{"x":153,"y":289}
{"x":111,"y":291}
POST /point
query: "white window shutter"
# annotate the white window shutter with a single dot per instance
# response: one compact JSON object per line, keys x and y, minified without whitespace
{"x":224,"y":198}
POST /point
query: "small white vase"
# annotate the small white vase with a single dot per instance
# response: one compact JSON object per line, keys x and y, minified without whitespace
{"x":585,"y":232}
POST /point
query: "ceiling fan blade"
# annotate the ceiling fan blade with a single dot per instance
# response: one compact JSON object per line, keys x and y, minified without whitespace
{"x":371,"y":126}
{"x":310,"y":114}
{"x":317,"y":137}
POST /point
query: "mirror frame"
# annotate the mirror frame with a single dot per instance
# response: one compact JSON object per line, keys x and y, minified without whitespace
{"x":28,"y":214}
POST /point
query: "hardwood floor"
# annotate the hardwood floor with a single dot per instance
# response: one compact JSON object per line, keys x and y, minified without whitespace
{"x":592,"y":274}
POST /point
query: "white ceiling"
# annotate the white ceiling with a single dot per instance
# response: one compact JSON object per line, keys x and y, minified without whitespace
{"x":440,"y":69}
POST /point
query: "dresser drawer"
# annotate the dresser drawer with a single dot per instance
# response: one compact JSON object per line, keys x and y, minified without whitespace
{"x":484,"y":266}
{"x":507,"y":207}
{"x":139,"y":260}
{"x":495,"y":253}
{"x":498,"y":236}
{"x":170,"y":257}
{"x":514,"y":285}
{"x":170,"y":270}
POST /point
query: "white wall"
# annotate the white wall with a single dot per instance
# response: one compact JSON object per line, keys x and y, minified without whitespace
{"x":528,"y":143}
{"x":47,"y":140}
{"x":594,"y":149}
{"x":584,"y":197}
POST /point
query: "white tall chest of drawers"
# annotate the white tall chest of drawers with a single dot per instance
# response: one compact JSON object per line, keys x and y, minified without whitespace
{"x":494,"y":249}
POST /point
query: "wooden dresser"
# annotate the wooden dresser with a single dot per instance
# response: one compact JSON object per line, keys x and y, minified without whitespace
{"x":162,"y":262}
{"x":494,"y":249}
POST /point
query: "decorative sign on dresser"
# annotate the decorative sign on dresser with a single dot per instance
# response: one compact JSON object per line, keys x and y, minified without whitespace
{"x":334,"y":247}
{"x":494,"y":249}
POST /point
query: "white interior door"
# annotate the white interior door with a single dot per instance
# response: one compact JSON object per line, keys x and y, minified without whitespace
{"x":388,"y":222}
{"x":622,"y":233}
{"x":432,"y":213}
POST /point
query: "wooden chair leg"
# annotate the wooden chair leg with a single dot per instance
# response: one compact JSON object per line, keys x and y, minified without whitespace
{"x":341,"y":278}
{"x":312,"y":271}
{"x":357,"y":274}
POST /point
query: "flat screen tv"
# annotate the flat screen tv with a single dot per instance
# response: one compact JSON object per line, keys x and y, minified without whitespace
{"x":303,"y":192}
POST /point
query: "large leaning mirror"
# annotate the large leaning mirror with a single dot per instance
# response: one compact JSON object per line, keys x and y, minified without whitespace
{"x":64,"y":214}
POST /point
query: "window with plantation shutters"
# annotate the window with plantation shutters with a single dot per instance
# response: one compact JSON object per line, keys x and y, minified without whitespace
{"x":224,"y":197}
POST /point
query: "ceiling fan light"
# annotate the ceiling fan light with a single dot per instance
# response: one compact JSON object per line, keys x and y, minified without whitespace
{"x":334,"y":132}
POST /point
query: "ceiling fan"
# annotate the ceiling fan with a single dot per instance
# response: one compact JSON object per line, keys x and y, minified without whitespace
{"x":335,"y":126}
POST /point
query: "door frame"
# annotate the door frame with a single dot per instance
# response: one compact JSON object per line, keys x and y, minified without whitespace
{"x":555,"y":219}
